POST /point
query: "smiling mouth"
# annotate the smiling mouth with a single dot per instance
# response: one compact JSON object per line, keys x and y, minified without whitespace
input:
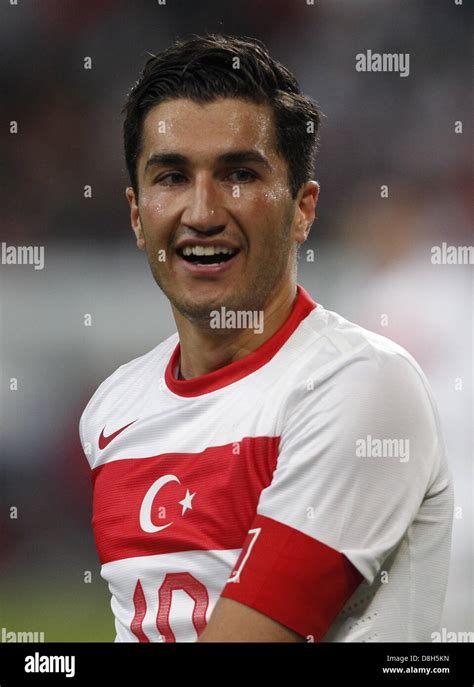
{"x":207,"y":256}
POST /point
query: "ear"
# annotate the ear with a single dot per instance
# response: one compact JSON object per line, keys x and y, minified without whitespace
{"x":306,"y":199}
{"x":135,"y":218}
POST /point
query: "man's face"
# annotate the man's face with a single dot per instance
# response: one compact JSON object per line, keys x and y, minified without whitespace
{"x":192,"y":190}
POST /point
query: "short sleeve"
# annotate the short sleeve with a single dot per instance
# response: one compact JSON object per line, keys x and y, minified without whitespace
{"x":357,"y":454}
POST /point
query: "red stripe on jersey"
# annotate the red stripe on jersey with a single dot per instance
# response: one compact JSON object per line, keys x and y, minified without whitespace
{"x":292,"y":577}
{"x":139,"y":604}
{"x":204,"y":384}
{"x":200,"y":501}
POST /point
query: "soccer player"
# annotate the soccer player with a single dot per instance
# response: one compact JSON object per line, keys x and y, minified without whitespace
{"x":271,"y":472}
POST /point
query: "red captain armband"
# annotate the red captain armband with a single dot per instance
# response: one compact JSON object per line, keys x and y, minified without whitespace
{"x":291,"y":577}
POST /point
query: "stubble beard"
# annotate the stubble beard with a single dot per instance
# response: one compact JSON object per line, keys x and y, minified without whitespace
{"x":253,"y":296}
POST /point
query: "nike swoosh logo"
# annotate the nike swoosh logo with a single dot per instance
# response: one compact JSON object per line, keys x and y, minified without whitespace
{"x":105,"y":441}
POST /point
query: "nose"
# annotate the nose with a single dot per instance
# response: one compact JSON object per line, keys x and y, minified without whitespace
{"x":204,"y":211}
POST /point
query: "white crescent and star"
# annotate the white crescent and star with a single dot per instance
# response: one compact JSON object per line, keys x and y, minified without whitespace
{"x":145,"y":511}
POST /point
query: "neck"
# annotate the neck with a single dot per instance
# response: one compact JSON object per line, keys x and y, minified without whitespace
{"x":206,"y":350}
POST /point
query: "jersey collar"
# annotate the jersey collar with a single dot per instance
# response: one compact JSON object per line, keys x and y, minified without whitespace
{"x":217,"y":379}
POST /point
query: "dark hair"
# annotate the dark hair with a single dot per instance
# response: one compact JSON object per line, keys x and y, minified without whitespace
{"x":204,"y":68}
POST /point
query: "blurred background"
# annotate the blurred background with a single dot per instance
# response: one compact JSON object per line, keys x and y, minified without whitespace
{"x":372,"y":255}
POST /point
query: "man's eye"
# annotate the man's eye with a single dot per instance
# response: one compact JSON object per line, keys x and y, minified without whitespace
{"x":170,"y":179}
{"x":245,"y":175}
{"x":240,"y":176}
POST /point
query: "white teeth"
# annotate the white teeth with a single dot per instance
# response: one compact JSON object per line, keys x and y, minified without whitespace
{"x":207,"y":250}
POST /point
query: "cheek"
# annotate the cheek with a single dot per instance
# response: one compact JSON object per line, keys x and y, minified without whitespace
{"x":260,"y":208}
{"x":151,"y":207}
{"x":154,"y":216}
{"x":264,"y":213}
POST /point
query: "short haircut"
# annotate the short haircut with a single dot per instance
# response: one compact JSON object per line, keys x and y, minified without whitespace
{"x":205,"y":68}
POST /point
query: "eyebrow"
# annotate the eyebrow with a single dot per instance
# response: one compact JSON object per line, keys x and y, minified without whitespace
{"x":235,"y":157}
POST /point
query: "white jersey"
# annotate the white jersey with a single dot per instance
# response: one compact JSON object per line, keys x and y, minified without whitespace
{"x":307,"y":480}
